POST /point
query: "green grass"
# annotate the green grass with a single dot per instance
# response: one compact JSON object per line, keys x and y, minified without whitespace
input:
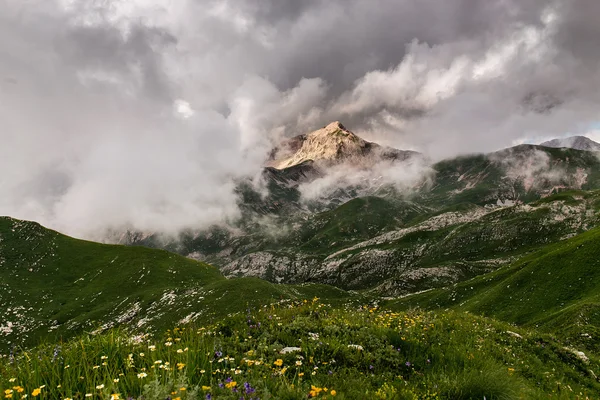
{"x":358,"y":352}
{"x":556,"y":289}
{"x":53,"y":286}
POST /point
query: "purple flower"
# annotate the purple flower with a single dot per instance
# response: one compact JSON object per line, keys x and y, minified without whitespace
{"x":221,"y":385}
{"x":408,"y":364}
{"x":208,"y":396}
{"x":248,"y":389}
{"x":371,"y":367}
{"x":228,"y":380}
{"x":218,"y":354}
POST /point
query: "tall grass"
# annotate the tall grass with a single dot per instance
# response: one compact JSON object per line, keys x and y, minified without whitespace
{"x":296,"y":350}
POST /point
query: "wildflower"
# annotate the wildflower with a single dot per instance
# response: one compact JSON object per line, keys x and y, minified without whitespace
{"x":231,"y":384}
{"x":301,"y":374}
{"x":298,"y":363}
{"x":314,"y":391}
{"x":36,"y":392}
{"x":202,"y":371}
{"x":104,"y":358}
{"x":278,"y":362}
{"x":100,"y":387}
{"x":205,"y":388}
{"x":116,"y":380}
{"x":152,"y":347}
{"x":142,"y":375}
{"x":142,"y":354}
{"x":95,"y":367}
{"x":88,"y":395}
{"x":182,"y":389}
{"x":11,"y":380}
{"x":158,"y":362}
{"x":180,"y":366}
{"x":114,"y":396}
{"x":208,"y":396}
{"x":333,"y":393}
{"x":168,"y":344}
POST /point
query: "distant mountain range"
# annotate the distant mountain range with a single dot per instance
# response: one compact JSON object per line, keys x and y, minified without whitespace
{"x":574,"y":142}
{"x":450,"y":221}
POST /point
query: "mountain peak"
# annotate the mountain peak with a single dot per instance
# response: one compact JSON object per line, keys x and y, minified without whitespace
{"x":574,"y":142}
{"x":331,"y":143}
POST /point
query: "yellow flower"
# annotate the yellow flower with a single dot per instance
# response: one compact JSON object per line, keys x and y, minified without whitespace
{"x":333,"y":393}
{"x":231,"y":384}
{"x":279,"y":362}
{"x":206,"y":388}
{"x":301,"y":374}
{"x":180,"y":366}
{"x":182,"y":389}
{"x":114,"y":396}
{"x":314,"y":391}
{"x":36,"y":392}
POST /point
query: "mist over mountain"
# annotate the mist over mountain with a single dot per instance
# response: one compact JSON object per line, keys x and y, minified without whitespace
{"x":574,"y":142}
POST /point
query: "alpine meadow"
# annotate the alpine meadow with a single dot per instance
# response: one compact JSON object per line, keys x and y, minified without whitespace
{"x":300,"y":199}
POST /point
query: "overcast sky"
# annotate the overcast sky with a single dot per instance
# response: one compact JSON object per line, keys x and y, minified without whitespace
{"x":141,"y":112}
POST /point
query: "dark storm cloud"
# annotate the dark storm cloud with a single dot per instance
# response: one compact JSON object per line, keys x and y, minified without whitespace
{"x":141,"y":113}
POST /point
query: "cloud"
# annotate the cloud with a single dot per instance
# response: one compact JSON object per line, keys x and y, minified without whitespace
{"x":142,"y":114}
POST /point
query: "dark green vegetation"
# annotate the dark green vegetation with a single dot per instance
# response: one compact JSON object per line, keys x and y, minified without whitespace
{"x":297,"y":350}
{"x":54,"y":286}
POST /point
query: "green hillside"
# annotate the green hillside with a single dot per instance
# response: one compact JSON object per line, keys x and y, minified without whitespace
{"x":556,"y":289}
{"x":55,"y":286}
{"x":300,"y":350}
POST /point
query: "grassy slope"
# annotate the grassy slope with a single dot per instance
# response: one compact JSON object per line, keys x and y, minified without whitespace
{"x":52,"y":285}
{"x":360,"y":353}
{"x":556,"y":289}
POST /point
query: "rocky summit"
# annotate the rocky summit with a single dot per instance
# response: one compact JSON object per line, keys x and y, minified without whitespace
{"x":333,"y":144}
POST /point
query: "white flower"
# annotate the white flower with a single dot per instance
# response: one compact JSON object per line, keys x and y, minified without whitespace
{"x":286,"y":350}
{"x":142,"y":375}
{"x":100,"y":387}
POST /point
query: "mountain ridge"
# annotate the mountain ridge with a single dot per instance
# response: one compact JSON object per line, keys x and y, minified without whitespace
{"x":573,"y":142}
